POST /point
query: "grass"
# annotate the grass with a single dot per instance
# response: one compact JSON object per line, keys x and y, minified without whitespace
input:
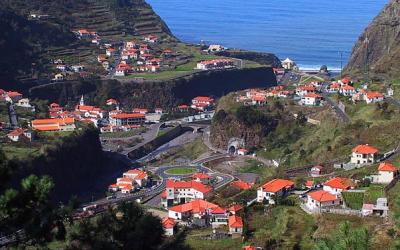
{"x":373,"y":192}
{"x":195,"y":241}
{"x":181,"y":170}
{"x":353,"y":200}
{"x":256,"y":167}
{"x":122,"y":134}
{"x":290,"y":226}
{"x":13,"y":152}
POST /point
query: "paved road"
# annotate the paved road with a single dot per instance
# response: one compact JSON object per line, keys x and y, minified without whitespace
{"x":342,"y":115}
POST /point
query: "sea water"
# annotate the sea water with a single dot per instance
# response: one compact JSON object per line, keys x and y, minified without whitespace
{"x":311,"y":32}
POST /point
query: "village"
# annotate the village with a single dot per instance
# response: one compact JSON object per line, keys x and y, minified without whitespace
{"x":188,"y":200}
{"x":139,"y":57}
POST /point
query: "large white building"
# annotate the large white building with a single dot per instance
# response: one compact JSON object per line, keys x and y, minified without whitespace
{"x":122,"y":119}
{"x":183,"y":191}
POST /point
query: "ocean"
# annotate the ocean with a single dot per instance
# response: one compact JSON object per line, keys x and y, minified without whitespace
{"x":311,"y":32}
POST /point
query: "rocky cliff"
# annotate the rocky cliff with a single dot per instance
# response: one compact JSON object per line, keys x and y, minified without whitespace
{"x":378,"y":48}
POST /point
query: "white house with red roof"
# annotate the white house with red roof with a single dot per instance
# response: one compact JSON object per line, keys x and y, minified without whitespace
{"x":316,"y":171}
{"x":234,"y":209}
{"x":168,"y":226}
{"x":183,"y":192}
{"x":304,"y":90}
{"x":202,"y":177}
{"x":19,"y":133}
{"x":321,"y":199}
{"x":347,"y":90}
{"x":364,"y":154}
{"x":219,"y":217}
{"x":151,"y":39}
{"x":139,"y":176}
{"x":111,"y":101}
{"x":274,"y":189}
{"x":197,"y":208}
{"x":202,"y":102}
{"x":334,"y":87}
{"x":337,"y":185}
{"x":311,"y":99}
{"x":235,"y":224}
{"x":386,"y":173}
{"x":374,"y":97}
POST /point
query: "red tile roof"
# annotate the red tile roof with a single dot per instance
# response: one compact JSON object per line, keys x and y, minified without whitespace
{"x":309,"y":183}
{"x":235,"y":221}
{"x":16,"y":132}
{"x":374,"y":94}
{"x":189,"y":184}
{"x":241,"y":185}
{"x":200,"y":176}
{"x":313,"y":95}
{"x":235,"y":208}
{"x":340,"y":183}
{"x":197,"y":206}
{"x":365,"y":149}
{"x":203,"y":99}
{"x":387,"y":167}
{"x":218,"y":210}
{"x":322,"y":196}
{"x":168,"y":222}
{"x":277,"y":185}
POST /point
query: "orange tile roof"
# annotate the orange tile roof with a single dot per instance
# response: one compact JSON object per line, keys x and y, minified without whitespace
{"x":125,"y":179}
{"x":168,"y":222}
{"x":218,"y":210}
{"x":374,"y":94}
{"x":309,"y":183}
{"x":307,"y":88}
{"x":277,"y":185}
{"x":189,"y":184}
{"x":164,"y":194}
{"x":322,"y":196}
{"x":365,"y":149}
{"x":235,"y":221}
{"x":235,"y":208}
{"x":241,"y":184}
{"x":249,"y":248}
{"x":387,"y":167}
{"x":200,"y":176}
{"x":196,"y":206}
{"x":16,"y":132}
{"x":53,"y":121}
{"x":313,"y":95}
{"x":48,"y":128}
{"x":339,"y":183}
{"x":348,"y":87}
{"x":203,"y":99}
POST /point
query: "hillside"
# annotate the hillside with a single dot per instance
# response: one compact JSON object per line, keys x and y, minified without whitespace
{"x":31,"y":43}
{"x":379,"y":46}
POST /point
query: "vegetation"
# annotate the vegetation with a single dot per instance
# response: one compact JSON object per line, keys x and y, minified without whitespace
{"x":180,"y":170}
{"x":353,"y":200}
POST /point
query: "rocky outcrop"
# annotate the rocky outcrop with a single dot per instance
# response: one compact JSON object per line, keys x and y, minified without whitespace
{"x":259,"y":57}
{"x":378,"y":48}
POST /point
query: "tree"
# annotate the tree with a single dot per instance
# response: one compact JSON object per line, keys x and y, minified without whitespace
{"x":345,"y":238}
{"x":29,"y":209}
{"x":126,"y":227}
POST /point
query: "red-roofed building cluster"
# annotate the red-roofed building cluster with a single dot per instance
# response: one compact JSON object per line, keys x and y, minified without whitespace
{"x":273,"y":190}
{"x":130,"y":181}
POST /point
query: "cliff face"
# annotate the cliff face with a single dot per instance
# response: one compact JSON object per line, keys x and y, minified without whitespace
{"x":379,"y":46}
{"x":152,"y":94}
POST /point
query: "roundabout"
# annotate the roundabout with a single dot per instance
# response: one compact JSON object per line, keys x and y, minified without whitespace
{"x":180,"y":171}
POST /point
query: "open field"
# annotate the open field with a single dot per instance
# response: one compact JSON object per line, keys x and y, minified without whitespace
{"x":181,"y":170}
